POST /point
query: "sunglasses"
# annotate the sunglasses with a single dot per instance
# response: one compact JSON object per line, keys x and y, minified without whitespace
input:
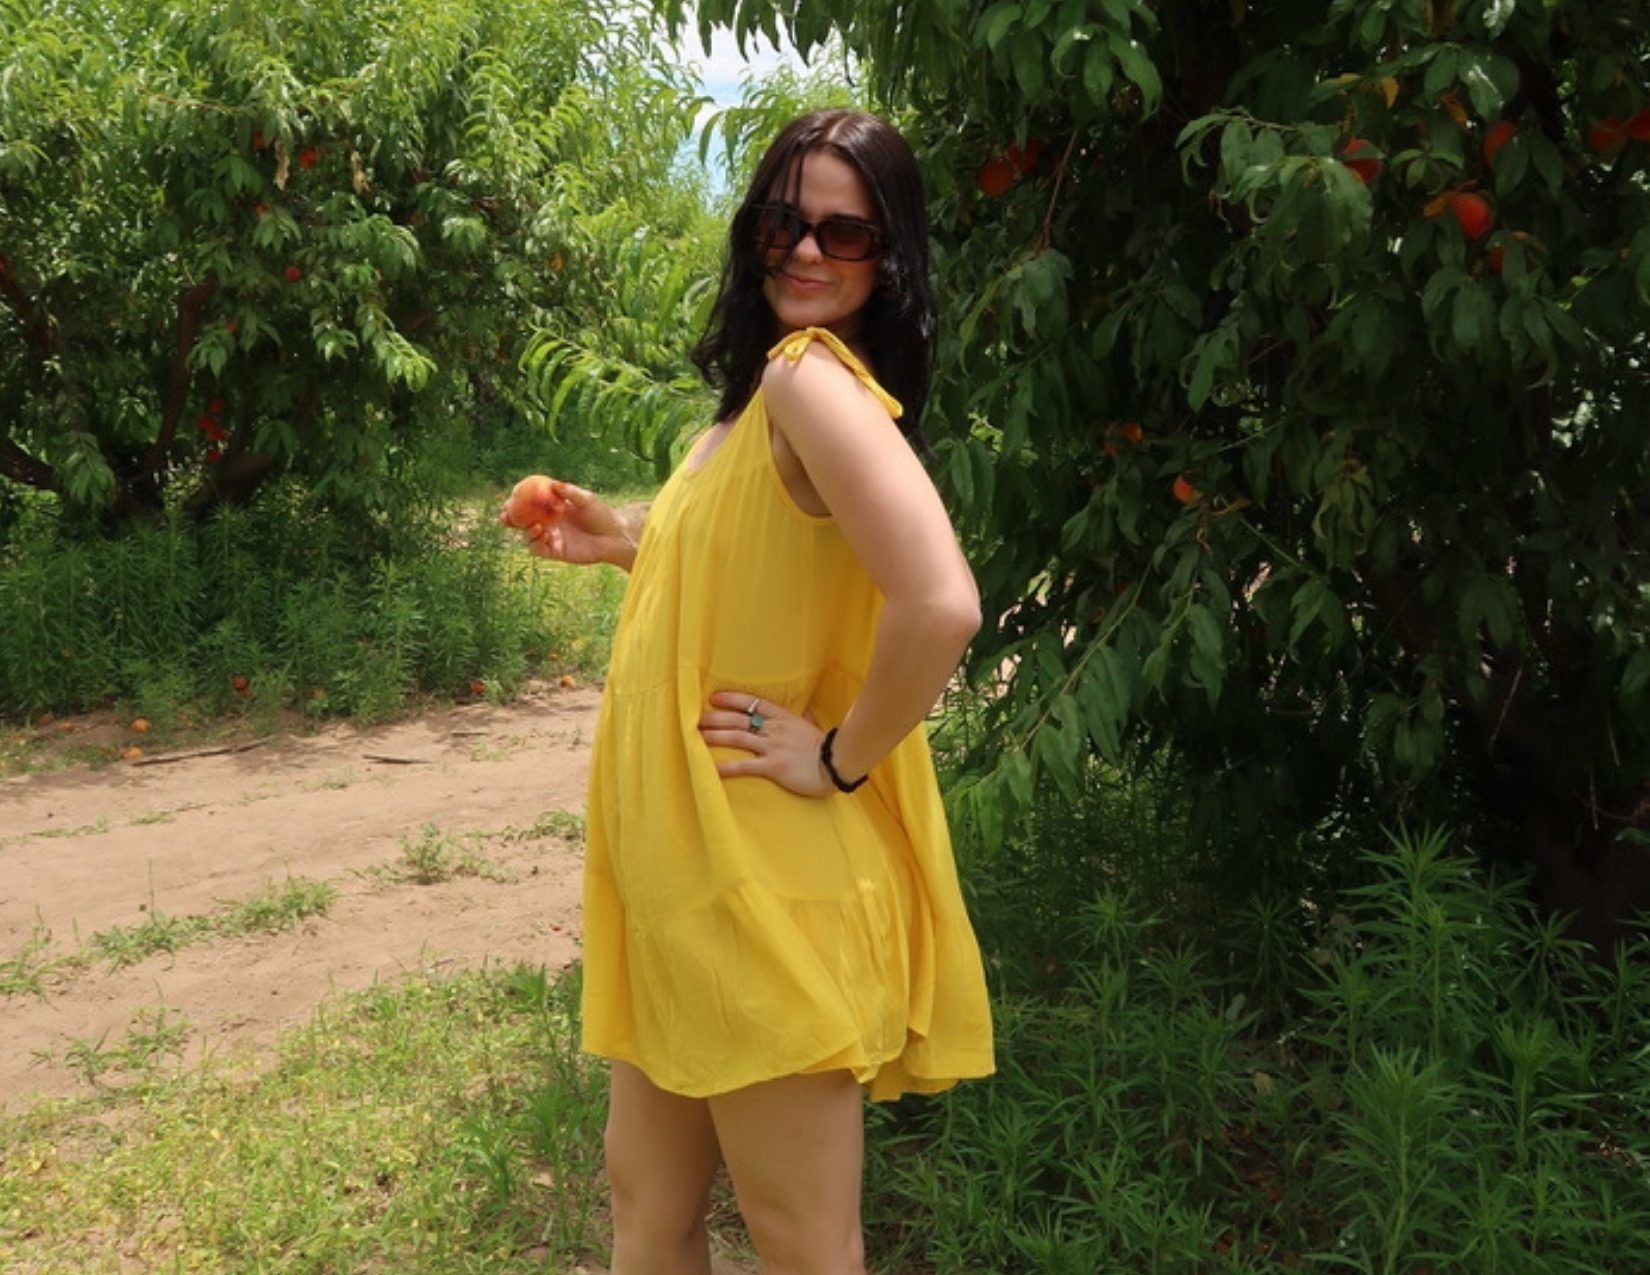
{"x":781,"y":227}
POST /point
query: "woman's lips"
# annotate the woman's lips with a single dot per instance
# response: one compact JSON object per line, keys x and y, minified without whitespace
{"x":806,"y":285}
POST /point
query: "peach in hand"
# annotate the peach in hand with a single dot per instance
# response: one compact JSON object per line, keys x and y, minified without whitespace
{"x":533,"y":504}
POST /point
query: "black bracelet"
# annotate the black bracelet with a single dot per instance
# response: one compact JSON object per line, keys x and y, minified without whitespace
{"x":825,"y":756}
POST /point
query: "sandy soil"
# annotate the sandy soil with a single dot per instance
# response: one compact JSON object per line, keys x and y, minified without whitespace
{"x":85,"y":849}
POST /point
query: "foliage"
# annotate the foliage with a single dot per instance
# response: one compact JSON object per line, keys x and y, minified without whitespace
{"x":247,"y":240}
{"x":280,"y":605}
{"x":1260,"y":455}
{"x":613,"y":359}
{"x":1462,"y":1094}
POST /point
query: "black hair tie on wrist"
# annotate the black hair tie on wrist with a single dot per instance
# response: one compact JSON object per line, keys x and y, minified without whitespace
{"x":825,"y":756}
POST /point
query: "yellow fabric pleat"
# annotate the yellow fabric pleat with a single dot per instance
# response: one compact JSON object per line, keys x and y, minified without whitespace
{"x":735,"y":931}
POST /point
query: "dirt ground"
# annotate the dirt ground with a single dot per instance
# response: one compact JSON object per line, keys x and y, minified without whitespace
{"x":84,"y":849}
{"x":198,"y":826}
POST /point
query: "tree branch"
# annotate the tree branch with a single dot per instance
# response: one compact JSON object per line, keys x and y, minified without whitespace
{"x":17,"y":464}
{"x":190,"y":305}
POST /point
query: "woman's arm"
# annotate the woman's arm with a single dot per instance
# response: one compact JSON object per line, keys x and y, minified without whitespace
{"x":882,"y":498}
{"x":590,"y":530}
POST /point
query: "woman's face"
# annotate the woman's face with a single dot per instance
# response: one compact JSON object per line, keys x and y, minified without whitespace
{"x":811,"y":289}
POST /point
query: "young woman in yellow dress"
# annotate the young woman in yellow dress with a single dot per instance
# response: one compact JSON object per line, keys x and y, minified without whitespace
{"x":772,"y":924}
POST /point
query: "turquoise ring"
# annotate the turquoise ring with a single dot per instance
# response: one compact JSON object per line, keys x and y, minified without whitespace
{"x":755,"y":718}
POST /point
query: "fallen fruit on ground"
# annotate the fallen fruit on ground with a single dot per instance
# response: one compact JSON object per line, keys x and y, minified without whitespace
{"x":130,"y":753}
{"x":567,"y":680}
{"x":239,"y":682}
{"x":996,"y":175}
{"x":477,"y":686}
{"x":1362,"y":158}
{"x":140,"y":725}
{"x":532,"y":501}
{"x":1498,"y":136}
{"x":1472,"y":214}
{"x":1184,"y":492}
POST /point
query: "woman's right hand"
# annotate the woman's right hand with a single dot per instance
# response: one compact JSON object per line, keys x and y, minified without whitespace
{"x":588,"y":530}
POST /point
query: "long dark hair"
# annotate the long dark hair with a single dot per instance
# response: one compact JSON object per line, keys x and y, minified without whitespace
{"x":897,"y":323}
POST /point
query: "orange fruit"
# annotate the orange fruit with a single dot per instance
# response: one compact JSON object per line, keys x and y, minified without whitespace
{"x":1608,"y":135}
{"x":1184,"y":492}
{"x":533,"y":501}
{"x":293,"y":274}
{"x":1498,"y":136}
{"x":1472,"y":213}
{"x":239,"y":682}
{"x":131,"y":753}
{"x":1638,"y":128}
{"x":996,"y":175}
{"x":308,"y":156}
{"x":477,"y":686}
{"x":1024,"y":158}
{"x":140,"y":725}
{"x":567,"y":681}
{"x":1362,"y":158}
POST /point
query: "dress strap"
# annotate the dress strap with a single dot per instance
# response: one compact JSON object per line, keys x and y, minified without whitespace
{"x":796,"y":342}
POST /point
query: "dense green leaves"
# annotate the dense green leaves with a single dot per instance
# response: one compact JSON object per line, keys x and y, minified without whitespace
{"x":245,"y":239}
{"x":1307,"y":356}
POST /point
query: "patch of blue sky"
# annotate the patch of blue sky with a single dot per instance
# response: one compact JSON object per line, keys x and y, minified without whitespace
{"x":719,"y":70}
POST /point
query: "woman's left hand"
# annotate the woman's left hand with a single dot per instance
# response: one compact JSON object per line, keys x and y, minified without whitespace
{"x":785,"y":750}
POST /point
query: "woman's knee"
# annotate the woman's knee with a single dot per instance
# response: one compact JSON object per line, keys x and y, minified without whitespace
{"x":798,"y":1241}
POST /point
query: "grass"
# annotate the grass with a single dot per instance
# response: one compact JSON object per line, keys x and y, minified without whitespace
{"x":433,"y":1126}
{"x":39,"y":966}
{"x":273,"y":614}
{"x":566,"y":825}
{"x":434,"y":856}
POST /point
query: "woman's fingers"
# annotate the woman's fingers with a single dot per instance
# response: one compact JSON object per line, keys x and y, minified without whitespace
{"x":734,"y":739}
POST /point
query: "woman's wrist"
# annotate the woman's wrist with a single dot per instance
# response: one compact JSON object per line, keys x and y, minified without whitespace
{"x":844,"y":783}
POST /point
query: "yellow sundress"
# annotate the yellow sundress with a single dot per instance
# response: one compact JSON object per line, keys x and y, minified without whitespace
{"x":735,"y":931}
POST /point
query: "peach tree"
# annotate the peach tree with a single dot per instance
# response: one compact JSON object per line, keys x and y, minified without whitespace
{"x":245,"y":240}
{"x":1292,"y":396}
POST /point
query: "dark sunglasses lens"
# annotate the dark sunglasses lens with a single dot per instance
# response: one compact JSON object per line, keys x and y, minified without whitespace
{"x":777,"y":228}
{"x":846,"y":240}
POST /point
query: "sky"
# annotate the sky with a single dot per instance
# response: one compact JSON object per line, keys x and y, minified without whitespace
{"x":719,"y":72}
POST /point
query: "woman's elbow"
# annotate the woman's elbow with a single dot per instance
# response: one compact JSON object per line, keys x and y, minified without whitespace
{"x":956,"y":617}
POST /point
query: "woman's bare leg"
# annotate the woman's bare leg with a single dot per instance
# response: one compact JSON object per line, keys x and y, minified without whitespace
{"x":795,"y":1149}
{"x":661,"y":1158}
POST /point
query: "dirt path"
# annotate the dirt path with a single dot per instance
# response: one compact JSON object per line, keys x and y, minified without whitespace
{"x":85,"y":850}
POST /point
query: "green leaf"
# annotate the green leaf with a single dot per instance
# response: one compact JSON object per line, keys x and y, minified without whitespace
{"x":995,"y":24}
{"x":1131,"y":56}
{"x":1098,"y":75}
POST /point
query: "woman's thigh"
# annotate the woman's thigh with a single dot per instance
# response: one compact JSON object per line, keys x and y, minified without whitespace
{"x":795,"y":1149}
{"x":662,"y":1151}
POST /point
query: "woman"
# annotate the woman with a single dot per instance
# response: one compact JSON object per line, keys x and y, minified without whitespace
{"x":772,"y":924}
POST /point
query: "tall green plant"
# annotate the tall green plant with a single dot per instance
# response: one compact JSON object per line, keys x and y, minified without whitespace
{"x":1461,"y":1093}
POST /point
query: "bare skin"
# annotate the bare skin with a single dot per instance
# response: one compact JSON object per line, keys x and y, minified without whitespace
{"x":794,"y":1149}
